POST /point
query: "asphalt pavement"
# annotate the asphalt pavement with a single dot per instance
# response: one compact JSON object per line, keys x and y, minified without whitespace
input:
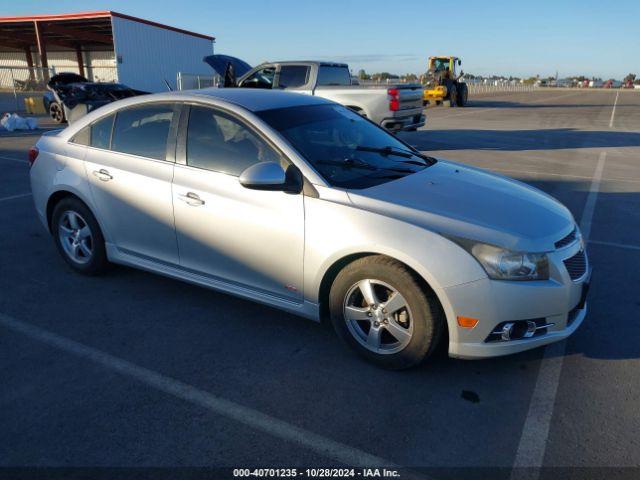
{"x":132,"y":369}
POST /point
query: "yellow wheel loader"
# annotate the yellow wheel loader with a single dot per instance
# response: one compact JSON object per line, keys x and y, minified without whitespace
{"x":442,"y":82}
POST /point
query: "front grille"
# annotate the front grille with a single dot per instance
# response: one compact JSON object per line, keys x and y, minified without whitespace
{"x":576,"y":265}
{"x":568,"y":240}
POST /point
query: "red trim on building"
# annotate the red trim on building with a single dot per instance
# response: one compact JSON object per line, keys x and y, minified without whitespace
{"x":59,"y":16}
{"x":161,"y":25}
{"x":98,"y":14}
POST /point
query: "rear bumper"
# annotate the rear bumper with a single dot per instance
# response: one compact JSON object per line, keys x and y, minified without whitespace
{"x":404,"y":123}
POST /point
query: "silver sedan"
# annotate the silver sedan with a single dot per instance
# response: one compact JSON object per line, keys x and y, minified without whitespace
{"x":297,"y":202}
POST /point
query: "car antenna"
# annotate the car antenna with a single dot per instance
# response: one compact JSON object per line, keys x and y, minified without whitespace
{"x":167,"y":84}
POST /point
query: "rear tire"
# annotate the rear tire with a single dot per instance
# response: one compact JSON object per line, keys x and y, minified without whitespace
{"x":463,"y":94}
{"x":380,"y":309}
{"x":78,"y":237}
{"x":56,"y":112}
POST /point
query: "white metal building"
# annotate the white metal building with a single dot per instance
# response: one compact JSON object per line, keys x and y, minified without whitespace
{"x":102,"y":46}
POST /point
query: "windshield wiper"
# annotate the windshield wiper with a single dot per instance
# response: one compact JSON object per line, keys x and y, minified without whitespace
{"x":357,"y":163}
{"x":398,"y":152}
{"x":350,"y":163}
{"x":386,"y":151}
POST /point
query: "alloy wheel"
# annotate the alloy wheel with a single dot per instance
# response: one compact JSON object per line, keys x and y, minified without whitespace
{"x":75,"y":237}
{"x":378,"y":316}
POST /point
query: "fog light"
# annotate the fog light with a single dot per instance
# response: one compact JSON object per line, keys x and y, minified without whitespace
{"x":519,"y":330}
{"x":507,"y":331}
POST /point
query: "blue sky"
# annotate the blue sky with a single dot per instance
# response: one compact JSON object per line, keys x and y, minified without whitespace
{"x":600,"y":38}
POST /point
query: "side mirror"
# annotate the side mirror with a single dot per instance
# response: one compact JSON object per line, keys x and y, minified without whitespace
{"x":271,"y":176}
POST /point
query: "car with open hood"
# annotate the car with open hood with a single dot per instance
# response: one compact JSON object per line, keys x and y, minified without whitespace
{"x":70,"y":96}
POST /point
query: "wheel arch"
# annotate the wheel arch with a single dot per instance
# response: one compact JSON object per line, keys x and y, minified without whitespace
{"x":59,"y":195}
{"x":429,"y":286}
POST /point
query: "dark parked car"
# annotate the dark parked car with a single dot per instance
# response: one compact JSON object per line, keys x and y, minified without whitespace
{"x":71,"y":96}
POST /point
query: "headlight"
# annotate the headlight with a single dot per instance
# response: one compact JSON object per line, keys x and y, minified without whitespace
{"x":503,"y":264}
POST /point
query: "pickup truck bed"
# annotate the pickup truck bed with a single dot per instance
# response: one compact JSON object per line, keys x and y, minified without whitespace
{"x":374,"y":103}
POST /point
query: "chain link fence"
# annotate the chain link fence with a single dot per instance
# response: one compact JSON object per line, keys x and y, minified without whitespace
{"x":474,"y":87}
{"x":18,"y":83}
{"x":478,"y":88}
{"x":192,"y":81}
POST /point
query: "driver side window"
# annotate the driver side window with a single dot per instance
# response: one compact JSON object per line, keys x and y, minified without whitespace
{"x":219,"y":142}
{"x":262,"y":78}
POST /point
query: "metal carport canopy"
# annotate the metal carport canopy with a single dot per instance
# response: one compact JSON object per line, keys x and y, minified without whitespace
{"x":76,"y":31}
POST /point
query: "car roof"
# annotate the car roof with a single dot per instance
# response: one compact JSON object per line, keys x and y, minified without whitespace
{"x":250,"y":99}
{"x":255,"y":99}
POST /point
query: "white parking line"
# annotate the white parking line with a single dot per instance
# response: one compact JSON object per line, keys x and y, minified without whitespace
{"x":252,"y":418}
{"x":535,"y":432}
{"x":565,"y":175}
{"x":613,"y":112}
{"x":13,"y":197}
{"x":615,"y":244}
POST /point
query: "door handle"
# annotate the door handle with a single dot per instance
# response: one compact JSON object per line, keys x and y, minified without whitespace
{"x":103,"y":175}
{"x":191,"y":199}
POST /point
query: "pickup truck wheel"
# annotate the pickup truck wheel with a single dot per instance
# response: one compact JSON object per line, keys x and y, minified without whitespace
{"x":379,"y":309}
{"x":56,"y":112}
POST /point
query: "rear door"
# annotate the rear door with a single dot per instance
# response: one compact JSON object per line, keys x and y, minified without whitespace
{"x":129,"y":164}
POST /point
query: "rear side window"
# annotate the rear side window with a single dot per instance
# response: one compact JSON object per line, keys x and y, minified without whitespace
{"x":292,"y":76}
{"x":218,"y":142}
{"x":100,"y":133}
{"x":333,"y":76}
{"x":143,"y":130}
{"x":97,"y":134}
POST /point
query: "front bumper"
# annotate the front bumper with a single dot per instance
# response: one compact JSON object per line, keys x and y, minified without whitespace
{"x":558,"y":303}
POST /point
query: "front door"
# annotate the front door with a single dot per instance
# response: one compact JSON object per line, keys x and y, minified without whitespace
{"x":243,"y":237}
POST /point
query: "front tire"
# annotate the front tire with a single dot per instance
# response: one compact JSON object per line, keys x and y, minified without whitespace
{"x":453,"y":96}
{"x":78,"y":237}
{"x":379,"y":308}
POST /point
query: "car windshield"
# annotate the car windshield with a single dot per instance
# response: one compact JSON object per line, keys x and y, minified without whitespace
{"x":346,"y":149}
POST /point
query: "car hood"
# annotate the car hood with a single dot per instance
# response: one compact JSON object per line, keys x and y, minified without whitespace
{"x":458,"y":200}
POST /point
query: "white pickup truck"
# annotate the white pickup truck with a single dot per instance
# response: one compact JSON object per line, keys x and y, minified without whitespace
{"x":395,"y":107}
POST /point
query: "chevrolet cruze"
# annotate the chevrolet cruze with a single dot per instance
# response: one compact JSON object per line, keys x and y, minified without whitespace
{"x":304,"y":205}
